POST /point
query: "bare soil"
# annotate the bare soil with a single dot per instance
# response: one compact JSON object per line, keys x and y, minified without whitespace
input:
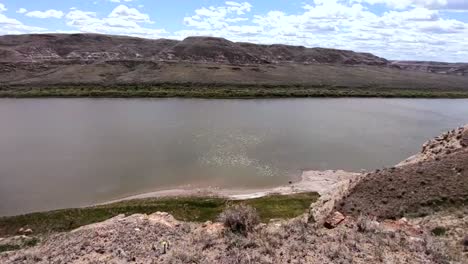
{"x":436,"y":178}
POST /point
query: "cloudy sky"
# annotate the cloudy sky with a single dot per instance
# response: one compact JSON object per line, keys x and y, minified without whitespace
{"x":395,"y":29}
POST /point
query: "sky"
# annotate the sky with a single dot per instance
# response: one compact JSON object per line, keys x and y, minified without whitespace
{"x":394,"y":29}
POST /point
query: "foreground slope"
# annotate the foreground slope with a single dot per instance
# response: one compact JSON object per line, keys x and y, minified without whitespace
{"x":434,"y":179}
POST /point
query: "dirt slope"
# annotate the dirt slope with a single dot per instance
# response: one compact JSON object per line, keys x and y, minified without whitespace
{"x":435,"y":178}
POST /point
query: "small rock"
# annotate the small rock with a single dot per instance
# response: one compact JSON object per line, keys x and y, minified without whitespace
{"x":335,"y":219}
{"x":165,"y":247}
{"x":137,"y":229}
{"x":28,"y":231}
{"x":403,"y":221}
{"x":207,"y":223}
{"x":121,"y":253}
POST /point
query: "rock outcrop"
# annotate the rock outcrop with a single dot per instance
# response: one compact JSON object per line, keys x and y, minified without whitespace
{"x":95,"y":47}
{"x":433,"y":67}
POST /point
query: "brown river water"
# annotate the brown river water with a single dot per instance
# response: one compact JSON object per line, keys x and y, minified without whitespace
{"x":59,"y":153}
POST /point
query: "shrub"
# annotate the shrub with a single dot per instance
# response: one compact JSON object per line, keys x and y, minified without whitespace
{"x":185,"y":255}
{"x":439,"y":231}
{"x":366,"y":224}
{"x":240,"y":218}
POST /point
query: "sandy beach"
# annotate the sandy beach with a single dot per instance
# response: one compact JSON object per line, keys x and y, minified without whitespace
{"x":321,"y":182}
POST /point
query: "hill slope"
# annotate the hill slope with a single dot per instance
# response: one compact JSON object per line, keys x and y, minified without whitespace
{"x":30,"y":61}
{"x":434,"y":179}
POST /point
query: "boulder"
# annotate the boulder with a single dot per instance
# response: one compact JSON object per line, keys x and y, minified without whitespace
{"x":334,"y":220}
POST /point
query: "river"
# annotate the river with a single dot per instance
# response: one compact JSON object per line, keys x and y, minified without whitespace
{"x":58,"y":153}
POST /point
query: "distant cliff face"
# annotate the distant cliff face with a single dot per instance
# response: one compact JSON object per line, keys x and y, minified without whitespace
{"x":45,"y":59}
{"x":433,"y":67}
{"x":92,"y":47}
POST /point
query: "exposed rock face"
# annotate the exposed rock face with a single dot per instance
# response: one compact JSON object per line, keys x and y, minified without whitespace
{"x":433,"y":67}
{"x":94,"y":47}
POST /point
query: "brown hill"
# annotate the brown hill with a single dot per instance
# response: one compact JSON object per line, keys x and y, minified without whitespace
{"x":93,"y":47}
{"x":75,"y":59}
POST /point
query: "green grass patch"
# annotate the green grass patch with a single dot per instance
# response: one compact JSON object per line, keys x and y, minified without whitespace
{"x":30,"y":242}
{"x":195,"y":209}
{"x":8,"y":247}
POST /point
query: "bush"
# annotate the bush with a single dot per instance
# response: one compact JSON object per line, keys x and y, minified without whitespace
{"x":366,"y":224}
{"x":439,"y":231}
{"x":240,"y":218}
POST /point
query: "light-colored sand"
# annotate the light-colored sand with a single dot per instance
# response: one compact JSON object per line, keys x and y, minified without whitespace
{"x":311,"y":181}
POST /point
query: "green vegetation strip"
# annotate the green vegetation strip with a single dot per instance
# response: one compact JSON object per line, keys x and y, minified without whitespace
{"x":225,"y":91}
{"x":31,"y":242}
{"x":196,"y":209}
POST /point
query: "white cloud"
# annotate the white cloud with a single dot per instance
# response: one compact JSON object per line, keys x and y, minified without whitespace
{"x":121,"y":21}
{"x":21,"y":11}
{"x":131,"y":14}
{"x":13,"y":26}
{"x":431,"y":4}
{"x":51,"y":13}
{"x":396,"y":34}
{"x":218,"y":17}
{"x":410,"y":29}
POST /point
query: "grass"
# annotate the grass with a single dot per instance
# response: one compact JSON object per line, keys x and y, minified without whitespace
{"x":31,"y":242}
{"x":196,"y":209}
{"x":8,"y":247}
{"x":194,"y":90}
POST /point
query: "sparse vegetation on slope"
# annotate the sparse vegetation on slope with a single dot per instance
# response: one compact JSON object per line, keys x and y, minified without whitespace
{"x":431,"y":181}
{"x":197,"y":209}
{"x":159,"y":238}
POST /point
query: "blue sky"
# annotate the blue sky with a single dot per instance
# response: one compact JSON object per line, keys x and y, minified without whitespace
{"x":395,"y":29}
